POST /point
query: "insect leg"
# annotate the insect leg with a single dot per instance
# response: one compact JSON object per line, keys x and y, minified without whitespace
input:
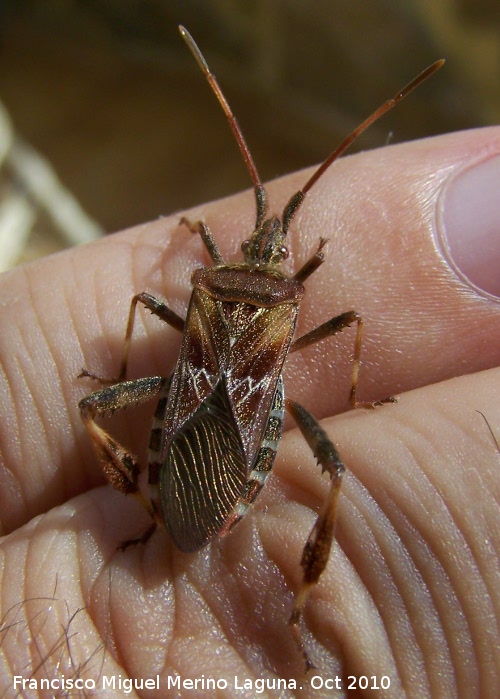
{"x":120,"y":467}
{"x":157,"y":308}
{"x":206,"y":235}
{"x":317,"y":549}
{"x":331,"y":327}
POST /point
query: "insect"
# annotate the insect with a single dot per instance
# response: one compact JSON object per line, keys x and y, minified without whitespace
{"x":219,"y":416}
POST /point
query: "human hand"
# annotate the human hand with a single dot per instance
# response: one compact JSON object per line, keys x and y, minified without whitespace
{"x":412,"y":588}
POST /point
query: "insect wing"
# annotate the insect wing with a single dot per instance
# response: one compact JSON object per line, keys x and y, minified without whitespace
{"x":221,"y":395}
{"x":203,"y":356}
{"x":204,"y":474}
{"x":261,"y":338}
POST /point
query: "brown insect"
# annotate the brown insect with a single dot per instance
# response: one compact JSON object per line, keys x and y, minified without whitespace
{"x":220,"y":414}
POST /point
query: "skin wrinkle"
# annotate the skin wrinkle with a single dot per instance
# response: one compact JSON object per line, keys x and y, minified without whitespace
{"x":169,"y":660}
{"x":386,"y":567}
{"x":35,"y":401}
{"x":236,"y":650}
{"x":24,"y":596}
{"x":165,"y":271}
{"x":455,"y":519}
{"x":106,"y":647}
{"x":136,"y":254}
{"x":14,"y":482}
{"x":479,"y":596}
{"x":9,"y":400}
{"x":178,"y":589}
{"x":25,"y":446}
{"x":201,"y":591}
{"x":118,"y":655}
{"x":436,"y":556}
{"x":162,"y":259}
{"x":430,"y":596}
{"x":72,"y":328}
{"x":226,"y":624}
{"x":58,"y":387}
{"x":107,"y":323}
{"x":370,"y":656}
{"x":110,"y":644}
{"x":456,"y":527}
{"x":147,"y":645}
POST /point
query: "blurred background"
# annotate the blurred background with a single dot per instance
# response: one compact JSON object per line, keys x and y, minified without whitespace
{"x":106,"y":121}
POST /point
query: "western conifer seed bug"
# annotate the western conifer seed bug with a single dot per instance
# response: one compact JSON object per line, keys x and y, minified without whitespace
{"x":220,"y":414}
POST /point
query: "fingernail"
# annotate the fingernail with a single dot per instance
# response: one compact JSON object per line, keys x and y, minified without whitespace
{"x":469,"y":225}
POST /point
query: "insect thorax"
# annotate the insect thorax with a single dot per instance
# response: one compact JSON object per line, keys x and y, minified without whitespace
{"x":241,"y":282}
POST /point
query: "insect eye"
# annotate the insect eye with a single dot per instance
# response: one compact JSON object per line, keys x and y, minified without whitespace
{"x":245,"y":246}
{"x":284,"y":252}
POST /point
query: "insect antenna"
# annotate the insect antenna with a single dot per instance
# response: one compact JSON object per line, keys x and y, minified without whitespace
{"x":260,"y":192}
{"x":293,"y":205}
